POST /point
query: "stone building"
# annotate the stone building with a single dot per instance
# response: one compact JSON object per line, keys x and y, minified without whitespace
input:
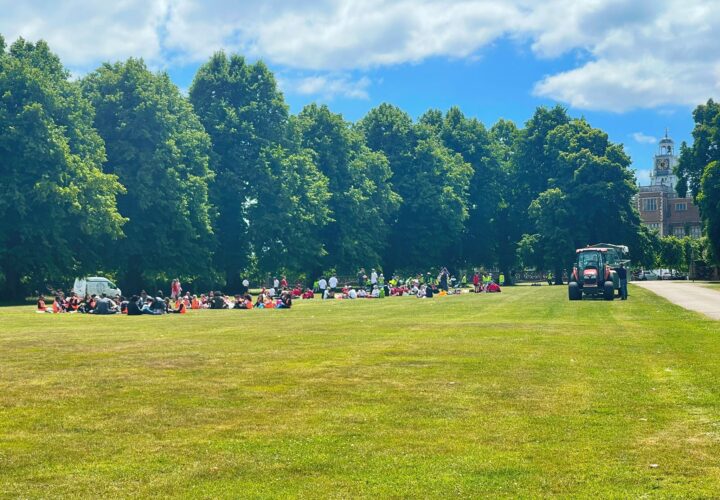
{"x":659,"y":204}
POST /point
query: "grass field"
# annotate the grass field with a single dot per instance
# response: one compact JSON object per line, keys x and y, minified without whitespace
{"x":515,"y":394}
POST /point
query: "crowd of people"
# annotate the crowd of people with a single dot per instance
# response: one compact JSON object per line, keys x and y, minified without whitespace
{"x":278,"y":295}
{"x":177,"y":303}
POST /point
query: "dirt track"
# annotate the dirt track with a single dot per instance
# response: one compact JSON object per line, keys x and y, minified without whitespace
{"x":692,"y":296}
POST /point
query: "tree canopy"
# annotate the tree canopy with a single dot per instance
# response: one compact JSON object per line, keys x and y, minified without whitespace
{"x":120,"y":173}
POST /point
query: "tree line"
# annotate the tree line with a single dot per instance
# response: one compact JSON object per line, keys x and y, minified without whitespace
{"x":121,"y":174}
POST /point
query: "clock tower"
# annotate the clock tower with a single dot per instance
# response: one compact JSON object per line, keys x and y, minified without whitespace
{"x":665,"y":161}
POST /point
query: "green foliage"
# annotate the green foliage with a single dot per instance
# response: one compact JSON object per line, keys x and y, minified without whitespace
{"x":589,"y":196}
{"x":243,"y":188}
{"x":362,"y":202}
{"x":433,"y":183}
{"x":159,"y":151}
{"x":699,"y":169}
{"x":289,"y":212}
{"x":244,"y":113}
{"x":704,"y":150}
{"x":709,"y":202}
{"x":644,"y":248}
{"x":672,"y":253}
{"x":56,"y":204}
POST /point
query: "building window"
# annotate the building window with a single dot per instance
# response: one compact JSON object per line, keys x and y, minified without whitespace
{"x":680,"y":207}
{"x":653,"y":225}
{"x":695,"y":231}
{"x":679,"y":231}
{"x":649,"y":204}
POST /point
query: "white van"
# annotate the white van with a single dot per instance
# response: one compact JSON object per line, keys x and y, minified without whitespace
{"x":95,"y":285}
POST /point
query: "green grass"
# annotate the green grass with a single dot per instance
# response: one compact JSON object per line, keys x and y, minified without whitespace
{"x":515,"y":394}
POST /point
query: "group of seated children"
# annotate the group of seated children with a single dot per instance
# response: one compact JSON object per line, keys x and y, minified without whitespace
{"x":90,"y":304}
{"x":147,"y":304}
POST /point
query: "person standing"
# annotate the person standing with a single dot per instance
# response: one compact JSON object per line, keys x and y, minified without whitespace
{"x":622,"y":275}
{"x":322,"y":285}
{"x":501,"y":279}
{"x":361,"y":278}
{"x":333,"y":282}
{"x":175,"y":289}
{"x":476,"y":282}
{"x":373,"y":277}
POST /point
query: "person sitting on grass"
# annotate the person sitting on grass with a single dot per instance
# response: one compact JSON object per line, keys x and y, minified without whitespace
{"x":105,"y":306}
{"x":147,"y":307}
{"x":297,"y":291}
{"x":268,"y":303}
{"x":285,"y":301}
{"x":41,"y":307}
{"x":179,"y":307}
{"x":73,"y":303}
{"x":58,"y":305}
{"x":133,"y":306}
{"x":375,"y":292}
{"x":352,"y":294}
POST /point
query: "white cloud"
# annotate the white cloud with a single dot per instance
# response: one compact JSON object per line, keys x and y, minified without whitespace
{"x":644,"y":138}
{"x":633,"y":53}
{"x":327,"y":87}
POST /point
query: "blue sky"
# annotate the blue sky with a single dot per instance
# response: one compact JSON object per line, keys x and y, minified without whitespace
{"x":630,"y":67}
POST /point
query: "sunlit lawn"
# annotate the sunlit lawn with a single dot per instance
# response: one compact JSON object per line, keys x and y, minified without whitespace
{"x":515,"y":394}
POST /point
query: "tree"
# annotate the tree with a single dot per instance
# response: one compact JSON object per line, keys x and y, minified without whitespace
{"x":672,"y":252}
{"x":159,"y":151}
{"x":361,"y":202}
{"x":709,"y":202}
{"x":553,"y":217}
{"x":432,"y":217}
{"x":704,"y":150}
{"x":244,"y":113}
{"x":470,"y":139}
{"x":589,"y":199}
{"x":508,"y":219}
{"x":289,"y":213}
{"x":56,"y":204}
{"x":699,"y":171}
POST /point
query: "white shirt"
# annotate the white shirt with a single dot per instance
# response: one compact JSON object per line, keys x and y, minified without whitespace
{"x":276,"y":283}
{"x":333,"y":282}
{"x":376,"y":293}
{"x":352,"y":294}
{"x":322,"y":284}
{"x":362,"y":293}
{"x":373,"y":278}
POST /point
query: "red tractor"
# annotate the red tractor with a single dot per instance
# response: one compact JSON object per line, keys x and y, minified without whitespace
{"x":594,"y":271}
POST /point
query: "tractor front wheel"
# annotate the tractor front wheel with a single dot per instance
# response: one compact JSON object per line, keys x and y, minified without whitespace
{"x":574,"y":292}
{"x":609,"y":291}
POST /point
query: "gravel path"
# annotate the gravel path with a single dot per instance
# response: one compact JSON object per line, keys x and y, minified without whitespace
{"x":686,"y":294}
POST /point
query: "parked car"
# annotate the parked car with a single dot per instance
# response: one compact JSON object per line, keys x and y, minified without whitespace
{"x":648,"y":275}
{"x":665,"y":274}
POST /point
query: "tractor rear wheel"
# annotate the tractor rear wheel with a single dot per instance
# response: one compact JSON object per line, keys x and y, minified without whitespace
{"x":609,"y":291}
{"x":574,"y":292}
